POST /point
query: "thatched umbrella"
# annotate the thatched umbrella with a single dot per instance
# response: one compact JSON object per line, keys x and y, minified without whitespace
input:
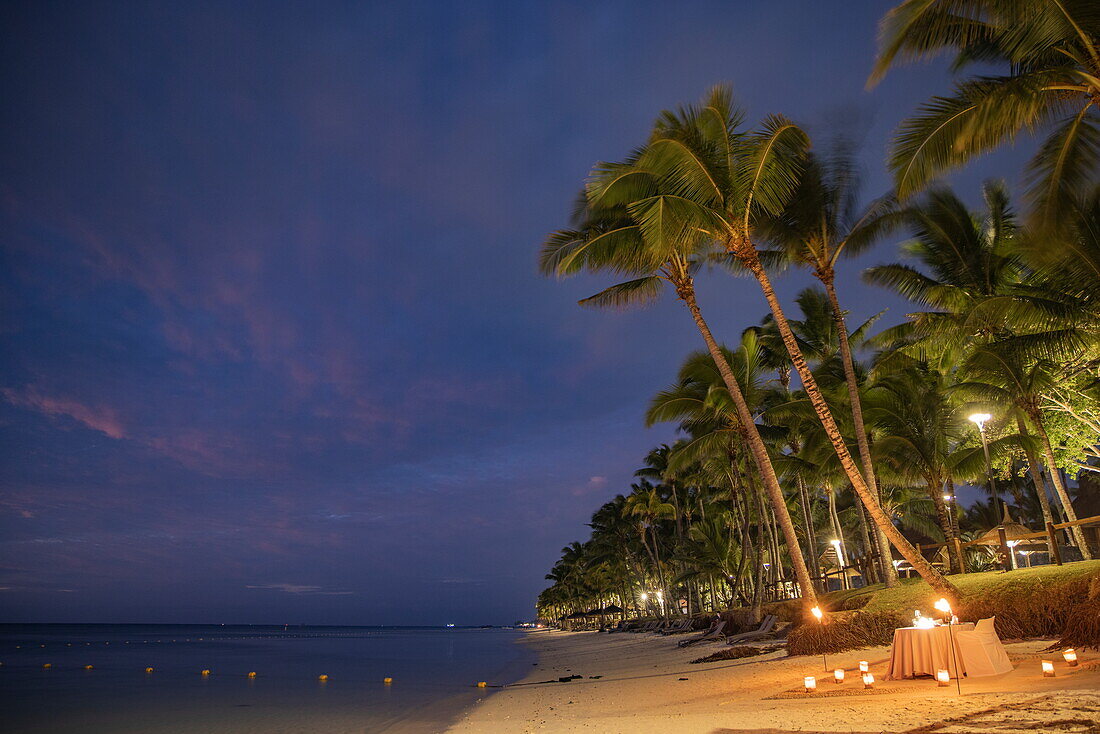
{"x":1016,"y":535}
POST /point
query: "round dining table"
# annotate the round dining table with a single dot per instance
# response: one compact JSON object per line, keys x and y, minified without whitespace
{"x":921,"y":651}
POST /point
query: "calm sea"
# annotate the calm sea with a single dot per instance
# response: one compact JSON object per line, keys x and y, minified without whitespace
{"x":434,"y":673}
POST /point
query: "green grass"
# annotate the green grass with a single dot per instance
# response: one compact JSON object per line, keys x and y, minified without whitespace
{"x":916,"y":594}
{"x":1051,"y":602}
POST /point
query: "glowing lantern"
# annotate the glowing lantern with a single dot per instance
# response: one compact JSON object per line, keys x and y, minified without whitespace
{"x":252,"y":674}
{"x":810,"y":683}
{"x":816,"y":611}
{"x":868,"y":680}
{"x":1048,"y":669}
{"x":206,"y":672}
{"x":1071,"y":657}
{"x":943,"y":677}
{"x":838,"y":675}
{"x":863,"y":667}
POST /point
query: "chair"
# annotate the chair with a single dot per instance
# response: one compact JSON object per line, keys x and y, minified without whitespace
{"x":981,"y":650}
{"x":713,"y":633}
{"x":683,"y":625}
{"x":765,"y":629}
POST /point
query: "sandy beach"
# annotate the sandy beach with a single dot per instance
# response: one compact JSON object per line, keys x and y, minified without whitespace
{"x":645,"y":683}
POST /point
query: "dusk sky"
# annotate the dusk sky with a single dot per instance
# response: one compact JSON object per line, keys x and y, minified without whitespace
{"x":274,"y":347}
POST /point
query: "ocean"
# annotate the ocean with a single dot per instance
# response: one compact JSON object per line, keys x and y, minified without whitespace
{"x":435,"y":672}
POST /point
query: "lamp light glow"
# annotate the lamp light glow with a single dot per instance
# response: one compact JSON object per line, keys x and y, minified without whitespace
{"x":863,"y":667}
{"x":1048,"y":669}
{"x":980,"y":419}
{"x":1071,"y":657}
{"x":943,"y":678}
{"x":838,"y":675}
{"x":868,"y":680}
{"x":811,"y":683}
{"x":816,"y":611}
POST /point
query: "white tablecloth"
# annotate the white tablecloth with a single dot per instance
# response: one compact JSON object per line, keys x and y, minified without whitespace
{"x":924,"y":650}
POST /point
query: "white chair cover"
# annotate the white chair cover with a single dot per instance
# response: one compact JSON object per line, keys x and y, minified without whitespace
{"x":982,"y":651}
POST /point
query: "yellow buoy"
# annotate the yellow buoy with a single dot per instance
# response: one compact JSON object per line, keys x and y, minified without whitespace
{"x":148,"y":670}
{"x":206,"y":671}
{"x":387,"y":681}
{"x":481,"y":684}
{"x":322,"y":677}
{"x":252,"y":674}
{"x":87,"y":667}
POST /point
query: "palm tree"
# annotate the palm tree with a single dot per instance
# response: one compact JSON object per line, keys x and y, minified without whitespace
{"x":921,"y":428}
{"x":823,"y":334}
{"x":819,"y":226}
{"x":724,"y":184}
{"x":970,"y":275}
{"x":647,"y":509}
{"x":1051,"y":49}
{"x":999,"y":376}
{"x":630,"y":230}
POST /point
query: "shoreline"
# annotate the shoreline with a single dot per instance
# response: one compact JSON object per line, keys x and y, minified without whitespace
{"x":648,"y":684}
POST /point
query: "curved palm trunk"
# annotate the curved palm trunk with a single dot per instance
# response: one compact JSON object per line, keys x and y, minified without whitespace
{"x":934,"y":578}
{"x":686,"y":291}
{"x":886,"y":568}
{"x":1060,"y":487}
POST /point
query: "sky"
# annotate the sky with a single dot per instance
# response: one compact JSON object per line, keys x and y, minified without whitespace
{"x":273,"y":347}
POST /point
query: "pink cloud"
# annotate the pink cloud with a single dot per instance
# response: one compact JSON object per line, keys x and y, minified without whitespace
{"x":100,"y":418}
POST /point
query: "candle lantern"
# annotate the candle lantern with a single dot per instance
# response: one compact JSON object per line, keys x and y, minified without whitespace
{"x":868,"y":680}
{"x":1071,"y":657}
{"x":1048,"y":669}
{"x":811,"y":683}
{"x":838,"y":675}
{"x":863,"y":667}
{"x":943,"y":677}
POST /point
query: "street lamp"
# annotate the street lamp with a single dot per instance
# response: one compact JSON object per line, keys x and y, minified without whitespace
{"x":840,"y":561}
{"x":980,"y":419}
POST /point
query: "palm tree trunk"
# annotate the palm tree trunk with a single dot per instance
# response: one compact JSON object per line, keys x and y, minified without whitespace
{"x":1036,"y":479}
{"x":865,"y":538}
{"x":808,"y":519}
{"x":934,"y":578}
{"x":1060,"y":487}
{"x":686,"y":291}
{"x":943,"y":514}
{"x":889,"y":573}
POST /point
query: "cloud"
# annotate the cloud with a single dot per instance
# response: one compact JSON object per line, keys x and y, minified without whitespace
{"x":297,"y":589}
{"x":100,"y":418}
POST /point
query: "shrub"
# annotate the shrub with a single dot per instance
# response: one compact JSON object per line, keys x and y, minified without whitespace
{"x":845,"y":631}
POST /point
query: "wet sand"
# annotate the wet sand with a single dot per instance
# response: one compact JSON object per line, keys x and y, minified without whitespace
{"x":647,"y":684}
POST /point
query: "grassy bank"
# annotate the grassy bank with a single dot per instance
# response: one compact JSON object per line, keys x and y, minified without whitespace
{"x":1049,"y":601}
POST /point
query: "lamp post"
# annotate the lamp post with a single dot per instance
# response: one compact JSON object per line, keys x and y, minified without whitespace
{"x":980,"y":419}
{"x":840,"y":561}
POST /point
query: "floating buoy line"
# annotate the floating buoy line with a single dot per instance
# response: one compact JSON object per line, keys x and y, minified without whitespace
{"x":207,"y":673}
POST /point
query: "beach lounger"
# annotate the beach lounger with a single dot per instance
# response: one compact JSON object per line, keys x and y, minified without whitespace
{"x":764,"y":630}
{"x":711,"y":634}
{"x":683,"y":625}
{"x":648,"y":626}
